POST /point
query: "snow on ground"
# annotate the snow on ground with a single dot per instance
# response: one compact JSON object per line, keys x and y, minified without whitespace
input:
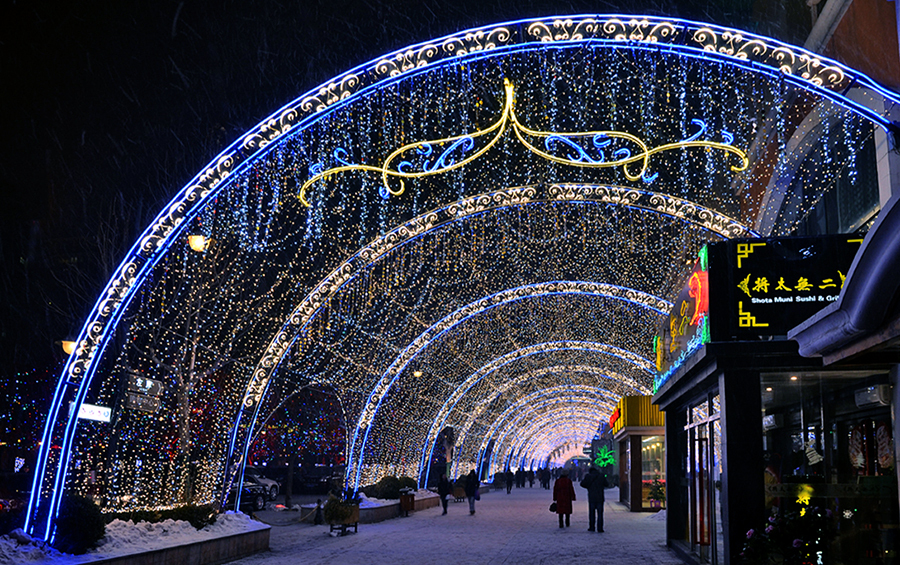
{"x":124,"y":538}
{"x":366,"y":502}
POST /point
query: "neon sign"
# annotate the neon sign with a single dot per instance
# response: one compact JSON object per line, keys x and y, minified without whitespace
{"x":605,"y":457}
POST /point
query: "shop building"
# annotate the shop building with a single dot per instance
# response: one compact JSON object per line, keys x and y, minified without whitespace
{"x":756,"y":429}
{"x":638,"y":429}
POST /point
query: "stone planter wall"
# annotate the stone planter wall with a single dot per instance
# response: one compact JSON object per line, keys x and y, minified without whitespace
{"x":207,"y":552}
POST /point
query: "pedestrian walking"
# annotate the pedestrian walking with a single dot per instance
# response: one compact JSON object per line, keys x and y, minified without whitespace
{"x":444,"y":489}
{"x":472,"y":490}
{"x":595,"y":483}
{"x":563,"y":495}
{"x":530,"y":476}
{"x":510,"y":477}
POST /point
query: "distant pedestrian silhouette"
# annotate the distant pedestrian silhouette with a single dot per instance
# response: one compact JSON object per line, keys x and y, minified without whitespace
{"x":472,"y":490}
{"x":564,"y":495}
{"x":595,"y":483}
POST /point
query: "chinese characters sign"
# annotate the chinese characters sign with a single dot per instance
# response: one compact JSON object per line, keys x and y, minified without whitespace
{"x":747,"y":289}
{"x":764,"y":287}
{"x":687,"y":327}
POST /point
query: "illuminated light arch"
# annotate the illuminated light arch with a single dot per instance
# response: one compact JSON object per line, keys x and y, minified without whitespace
{"x":525,"y":407}
{"x":421,"y":225}
{"x":513,"y":356}
{"x":325,"y":291}
{"x":568,"y":422}
{"x":397,"y":367}
{"x":538,"y":440}
{"x":601,"y":374}
{"x":466,"y":450}
{"x":563,"y":426}
{"x":664,"y":38}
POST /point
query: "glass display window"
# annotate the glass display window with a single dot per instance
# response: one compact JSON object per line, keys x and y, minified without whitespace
{"x":829,"y":445}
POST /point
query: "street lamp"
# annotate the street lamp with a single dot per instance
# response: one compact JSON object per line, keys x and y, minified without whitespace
{"x":198,"y":242}
{"x":68,"y":346}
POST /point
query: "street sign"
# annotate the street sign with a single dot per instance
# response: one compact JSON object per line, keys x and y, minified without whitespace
{"x":144,"y":385}
{"x":143,"y":402}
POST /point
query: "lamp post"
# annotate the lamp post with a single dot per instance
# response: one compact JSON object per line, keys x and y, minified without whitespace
{"x":198,"y":243}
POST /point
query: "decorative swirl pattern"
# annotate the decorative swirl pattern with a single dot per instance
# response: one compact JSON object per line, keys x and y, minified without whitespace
{"x":639,"y":30}
{"x":330,"y":93}
{"x":789,"y":60}
{"x":270,"y":130}
{"x":407,"y":60}
{"x":658,"y":202}
{"x":606,"y":149}
{"x":479,"y":40}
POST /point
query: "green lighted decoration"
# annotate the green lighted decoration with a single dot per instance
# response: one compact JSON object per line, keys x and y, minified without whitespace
{"x":605,"y":457}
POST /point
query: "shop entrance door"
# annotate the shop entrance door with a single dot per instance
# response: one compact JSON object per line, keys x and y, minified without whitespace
{"x":702,"y":466}
{"x":700,"y":514}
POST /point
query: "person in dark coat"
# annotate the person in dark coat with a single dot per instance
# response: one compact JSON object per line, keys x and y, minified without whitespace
{"x":564,"y":495}
{"x":444,"y":490}
{"x":471,"y":489}
{"x":595,"y":483}
{"x":510,"y":477}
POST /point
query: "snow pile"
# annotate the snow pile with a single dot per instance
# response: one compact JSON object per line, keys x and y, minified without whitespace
{"x":658,"y":516}
{"x":19,"y":547}
{"x":125,"y":538}
{"x":366,"y":502}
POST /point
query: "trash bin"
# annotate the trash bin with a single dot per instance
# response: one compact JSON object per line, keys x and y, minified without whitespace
{"x":407,"y":502}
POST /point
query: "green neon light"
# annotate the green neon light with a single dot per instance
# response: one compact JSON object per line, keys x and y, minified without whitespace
{"x":703,"y":255}
{"x":605,"y":457}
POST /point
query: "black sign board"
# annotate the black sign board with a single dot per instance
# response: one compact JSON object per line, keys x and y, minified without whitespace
{"x":143,"y":402}
{"x":144,"y":385}
{"x":765,"y":287}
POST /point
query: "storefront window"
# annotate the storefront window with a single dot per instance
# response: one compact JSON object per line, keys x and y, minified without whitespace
{"x":625,"y":476}
{"x":653,"y":472}
{"x":828,"y":444}
{"x":700,"y":412}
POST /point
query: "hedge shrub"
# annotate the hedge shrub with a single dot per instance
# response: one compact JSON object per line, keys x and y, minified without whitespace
{"x":79,"y":526}
{"x":199,"y":516}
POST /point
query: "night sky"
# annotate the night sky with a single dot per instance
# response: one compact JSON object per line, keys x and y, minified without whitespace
{"x":109,"y":108}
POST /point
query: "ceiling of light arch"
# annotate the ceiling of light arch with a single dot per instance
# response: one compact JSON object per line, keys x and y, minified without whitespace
{"x":435,"y":196}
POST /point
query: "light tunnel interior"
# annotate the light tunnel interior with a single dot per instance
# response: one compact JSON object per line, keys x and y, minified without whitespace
{"x":508,"y":286}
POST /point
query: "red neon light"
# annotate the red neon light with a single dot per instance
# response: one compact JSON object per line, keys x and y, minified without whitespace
{"x":699,"y":291}
{"x":614,"y":418}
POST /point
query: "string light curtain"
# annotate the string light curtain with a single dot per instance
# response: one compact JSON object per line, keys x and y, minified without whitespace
{"x":439,"y":246}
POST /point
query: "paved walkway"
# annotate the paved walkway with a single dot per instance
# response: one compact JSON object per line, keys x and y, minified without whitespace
{"x":513,"y":529}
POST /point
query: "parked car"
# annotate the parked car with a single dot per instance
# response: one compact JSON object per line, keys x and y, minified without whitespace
{"x":255,"y":475}
{"x":322,"y":479}
{"x":252,"y":494}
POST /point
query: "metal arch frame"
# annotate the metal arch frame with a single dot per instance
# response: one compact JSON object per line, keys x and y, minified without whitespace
{"x":482,"y":404}
{"x":511,"y":357}
{"x":543,"y":431}
{"x":156,"y":239}
{"x":434,"y":332}
{"x":526,"y":405}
